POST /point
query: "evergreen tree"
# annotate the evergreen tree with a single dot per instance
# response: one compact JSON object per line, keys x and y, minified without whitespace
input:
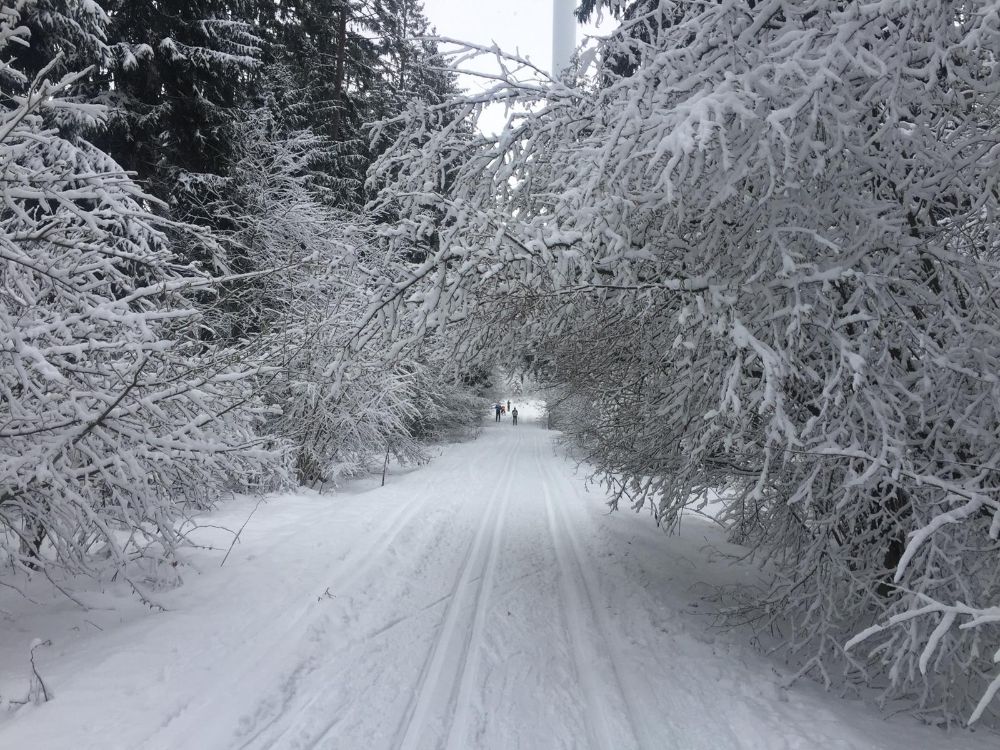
{"x":340,"y":64}
{"x":183,"y":73}
{"x":116,"y":418}
{"x":69,"y":35}
{"x":135,"y":385}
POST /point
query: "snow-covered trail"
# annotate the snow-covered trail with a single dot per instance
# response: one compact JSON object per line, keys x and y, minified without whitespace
{"x":486,"y":600}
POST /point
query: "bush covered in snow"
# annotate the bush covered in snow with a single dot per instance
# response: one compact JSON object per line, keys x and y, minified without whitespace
{"x":137,"y":387}
{"x":342,"y":394}
{"x":118,"y":414}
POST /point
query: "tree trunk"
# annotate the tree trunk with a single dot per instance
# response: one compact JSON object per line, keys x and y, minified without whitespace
{"x":31,"y":544}
{"x":338,"y":76}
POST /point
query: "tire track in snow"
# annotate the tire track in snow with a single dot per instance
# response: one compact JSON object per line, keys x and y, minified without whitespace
{"x":435,"y":695}
{"x":578,"y":593}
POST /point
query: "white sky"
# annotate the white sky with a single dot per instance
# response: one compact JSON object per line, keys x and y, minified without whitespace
{"x":524,"y":26}
{"x":521,"y":26}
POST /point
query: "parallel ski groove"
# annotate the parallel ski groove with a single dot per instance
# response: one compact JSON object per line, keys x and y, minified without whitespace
{"x":466,"y":685}
{"x":354,"y":565}
{"x":594,"y":712}
{"x":578,"y":597}
{"x":422,"y":706}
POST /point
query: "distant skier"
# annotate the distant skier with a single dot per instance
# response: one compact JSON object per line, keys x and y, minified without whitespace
{"x":514,"y":415}
{"x":508,"y":404}
{"x":498,"y":410}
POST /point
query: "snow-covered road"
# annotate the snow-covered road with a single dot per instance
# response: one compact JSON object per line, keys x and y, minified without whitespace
{"x":486,"y":600}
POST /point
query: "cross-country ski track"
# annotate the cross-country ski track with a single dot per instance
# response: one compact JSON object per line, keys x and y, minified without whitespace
{"x":484,"y":600}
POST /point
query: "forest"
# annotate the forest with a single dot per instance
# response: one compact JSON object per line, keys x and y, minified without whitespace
{"x":750,"y":247}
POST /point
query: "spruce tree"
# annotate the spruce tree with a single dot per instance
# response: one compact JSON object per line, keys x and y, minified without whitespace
{"x":183,"y":72}
{"x":340,"y":64}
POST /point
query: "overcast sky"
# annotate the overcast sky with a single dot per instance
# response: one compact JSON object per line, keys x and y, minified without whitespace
{"x":523,"y":26}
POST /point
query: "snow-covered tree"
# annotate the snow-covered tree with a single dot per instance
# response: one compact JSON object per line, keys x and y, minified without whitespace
{"x":759,"y":241}
{"x":115,"y":415}
{"x":182,"y":74}
{"x":68,"y":35}
{"x":342,"y":400}
{"x":344,"y":63}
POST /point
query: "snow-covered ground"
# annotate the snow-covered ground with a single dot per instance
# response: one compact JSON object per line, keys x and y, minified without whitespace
{"x":486,"y":600}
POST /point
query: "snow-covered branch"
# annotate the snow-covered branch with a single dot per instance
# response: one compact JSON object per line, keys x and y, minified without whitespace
{"x":757,"y":247}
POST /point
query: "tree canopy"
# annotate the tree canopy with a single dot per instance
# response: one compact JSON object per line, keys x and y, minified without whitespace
{"x":755,"y":244}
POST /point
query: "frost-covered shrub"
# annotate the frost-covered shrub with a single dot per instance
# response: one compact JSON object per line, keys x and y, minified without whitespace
{"x":117,"y":416}
{"x":343,"y":395}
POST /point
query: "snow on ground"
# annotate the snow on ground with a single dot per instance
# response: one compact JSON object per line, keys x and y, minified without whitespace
{"x":486,"y":600}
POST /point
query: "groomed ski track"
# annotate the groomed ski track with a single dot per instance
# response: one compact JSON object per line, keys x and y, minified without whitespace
{"x":486,"y":600}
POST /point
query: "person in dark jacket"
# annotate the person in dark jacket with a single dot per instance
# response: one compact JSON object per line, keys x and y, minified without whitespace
{"x":514,"y":415}
{"x":498,"y":410}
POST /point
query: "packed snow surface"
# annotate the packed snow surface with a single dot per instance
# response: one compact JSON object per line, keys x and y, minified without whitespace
{"x":486,"y":600}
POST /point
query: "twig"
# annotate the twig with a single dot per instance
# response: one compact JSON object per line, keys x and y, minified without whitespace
{"x":19,"y":591}
{"x":237,"y":537}
{"x":143,"y":597}
{"x":64,"y":592}
{"x":34,"y":669}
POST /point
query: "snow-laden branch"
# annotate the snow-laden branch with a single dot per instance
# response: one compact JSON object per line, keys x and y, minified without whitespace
{"x":117,"y":412}
{"x":757,"y":246}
